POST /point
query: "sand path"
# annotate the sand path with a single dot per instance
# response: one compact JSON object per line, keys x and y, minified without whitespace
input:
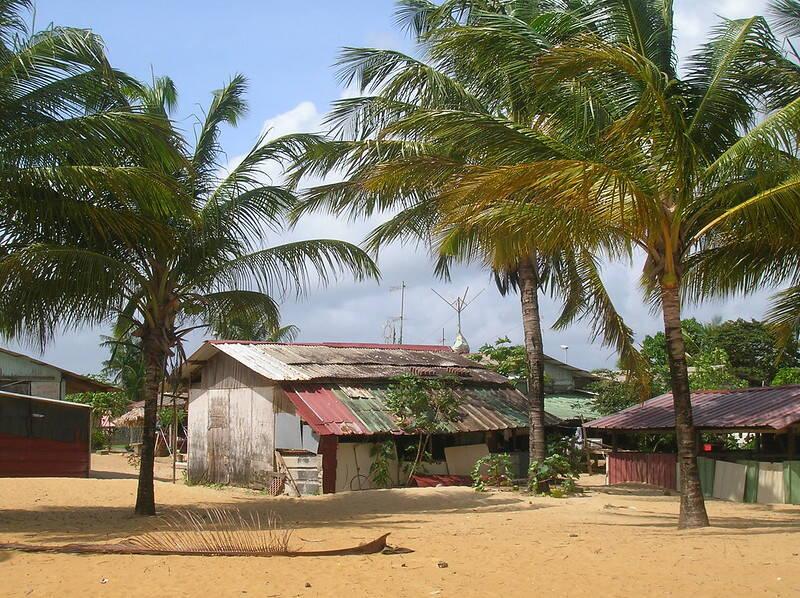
{"x":612,"y":542}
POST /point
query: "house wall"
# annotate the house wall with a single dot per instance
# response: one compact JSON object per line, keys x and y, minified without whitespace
{"x":45,"y":381}
{"x":231,"y":425}
{"x":563,"y":379}
{"x":43,"y":438}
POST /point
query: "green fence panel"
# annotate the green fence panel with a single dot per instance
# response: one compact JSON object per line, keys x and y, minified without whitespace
{"x":791,"y":481}
{"x":707,"y":468}
{"x":751,"y":482}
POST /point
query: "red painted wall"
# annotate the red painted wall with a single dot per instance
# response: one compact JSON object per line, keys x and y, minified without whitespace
{"x":21,"y":456}
{"x":656,"y":469}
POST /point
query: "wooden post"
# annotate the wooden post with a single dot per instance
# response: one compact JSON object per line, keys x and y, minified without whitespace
{"x":614,"y":442}
{"x":792,"y":443}
{"x":327,"y":448}
{"x":587,"y":454}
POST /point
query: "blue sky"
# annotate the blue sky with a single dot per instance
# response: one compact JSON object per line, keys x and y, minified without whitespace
{"x":287,"y":49}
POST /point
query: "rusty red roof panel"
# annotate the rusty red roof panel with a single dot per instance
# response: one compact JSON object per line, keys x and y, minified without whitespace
{"x":324,"y":412}
{"x":345,"y":410}
{"x":766,"y":407}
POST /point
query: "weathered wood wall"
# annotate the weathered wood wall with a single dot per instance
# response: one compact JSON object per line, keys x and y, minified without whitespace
{"x":231,"y":425}
{"x":45,"y":381}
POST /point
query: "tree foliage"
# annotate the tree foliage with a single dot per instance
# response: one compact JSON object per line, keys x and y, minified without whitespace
{"x":722,"y":353}
{"x":712,"y":370}
{"x":612,"y":394}
{"x":786,"y":376}
{"x":423,"y":405}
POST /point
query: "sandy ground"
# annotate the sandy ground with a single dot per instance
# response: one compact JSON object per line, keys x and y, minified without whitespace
{"x":611,"y":542}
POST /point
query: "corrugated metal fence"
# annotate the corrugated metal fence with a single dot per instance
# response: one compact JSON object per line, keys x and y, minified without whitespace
{"x":656,"y":469}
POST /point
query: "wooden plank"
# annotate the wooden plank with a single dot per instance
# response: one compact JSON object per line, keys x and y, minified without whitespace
{"x":197,"y":429}
{"x":282,"y":467}
{"x":240,"y":426}
{"x":262,"y":437}
{"x":218,"y":437}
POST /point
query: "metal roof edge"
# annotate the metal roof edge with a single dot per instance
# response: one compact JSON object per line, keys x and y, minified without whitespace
{"x":16,"y":395}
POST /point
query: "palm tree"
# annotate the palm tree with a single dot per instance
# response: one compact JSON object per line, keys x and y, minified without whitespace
{"x":71,"y":143}
{"x":738,"y":257}
{"x":261,"y":329}
{"x":427,"y":123}
{"x":662,"y":161}
{"x":204,"y":267}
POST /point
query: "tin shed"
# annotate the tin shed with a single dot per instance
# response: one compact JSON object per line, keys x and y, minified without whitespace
{"x":42,"y":437}
{"x":257,"y":406}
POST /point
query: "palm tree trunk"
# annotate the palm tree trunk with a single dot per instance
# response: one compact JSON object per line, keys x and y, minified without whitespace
{"x":153,"y":369}
{"x":693,"y":508}
{"x":534,"y":349}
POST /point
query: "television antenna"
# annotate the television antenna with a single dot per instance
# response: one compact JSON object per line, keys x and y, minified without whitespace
{"x":459,"y":304}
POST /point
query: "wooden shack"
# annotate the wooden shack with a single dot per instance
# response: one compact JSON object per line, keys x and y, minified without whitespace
{"x":315,"y":410}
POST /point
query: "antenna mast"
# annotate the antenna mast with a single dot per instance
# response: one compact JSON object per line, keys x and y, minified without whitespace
{"x":402,"y":289}
{"x":459,"y":304}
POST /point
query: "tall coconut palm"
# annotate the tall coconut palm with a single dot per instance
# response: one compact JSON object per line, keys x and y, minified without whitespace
{"x":426,"y":123}
{"x":71,"y":143}
{"x":738,"y":257}
{"x":665,"y":158}
{"x":202,"y":268}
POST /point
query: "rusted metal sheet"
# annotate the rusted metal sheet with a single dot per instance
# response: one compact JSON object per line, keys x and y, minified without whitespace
{"x":339,"y":361}
{"x":346,"y":410}
{"x":324,"y":412}
{"x":655,"y":469}
{"x":757,"y":408}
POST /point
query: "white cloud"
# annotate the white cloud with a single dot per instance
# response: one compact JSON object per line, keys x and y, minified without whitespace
{"x":303,"y":118}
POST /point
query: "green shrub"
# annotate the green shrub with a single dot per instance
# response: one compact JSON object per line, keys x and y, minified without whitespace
{"x":492,"y":470}
{"x":552,"y":472}
{"x":99,"y":439}
{"x":382,"y":455}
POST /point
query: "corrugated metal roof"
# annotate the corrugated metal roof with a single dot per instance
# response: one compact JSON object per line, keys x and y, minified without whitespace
{"x":339,"y":361}
{"x":768,"y":407}
{"x":570,"y":406}
{"x":345,"y":410}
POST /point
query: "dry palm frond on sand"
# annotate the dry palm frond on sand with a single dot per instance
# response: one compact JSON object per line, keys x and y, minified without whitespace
{"x":214,"y":532}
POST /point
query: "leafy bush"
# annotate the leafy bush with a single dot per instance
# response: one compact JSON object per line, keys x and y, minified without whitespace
{"x":423,"y":406}
{"x":99,"y":439}
{"x":549,"y":473}
{"x":382,"y":454}
{"x":492,"y":470}
{"x":786,"y":376}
